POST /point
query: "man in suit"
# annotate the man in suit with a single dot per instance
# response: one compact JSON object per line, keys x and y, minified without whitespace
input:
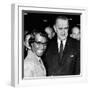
{"x":63,"y":53}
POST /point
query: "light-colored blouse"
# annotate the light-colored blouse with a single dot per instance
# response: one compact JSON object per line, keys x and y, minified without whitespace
{"x":33,"y":66}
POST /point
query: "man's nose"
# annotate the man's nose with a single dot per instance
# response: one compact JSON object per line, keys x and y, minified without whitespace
{"x":63,"y":30}
{"x":41,"y":46}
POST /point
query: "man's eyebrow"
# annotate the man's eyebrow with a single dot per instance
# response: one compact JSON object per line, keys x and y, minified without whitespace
{"x":62,"y":27}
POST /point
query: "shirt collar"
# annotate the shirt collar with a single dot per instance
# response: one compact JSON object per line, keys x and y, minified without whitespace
{"x":30,"y":52}
{"x":59,"y":42}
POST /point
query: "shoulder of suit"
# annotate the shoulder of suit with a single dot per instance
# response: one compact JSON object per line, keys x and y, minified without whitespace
{"x":74,"y":40}
{"x":74,"y":43}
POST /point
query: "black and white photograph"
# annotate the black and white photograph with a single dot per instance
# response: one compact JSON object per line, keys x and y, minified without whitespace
{"x":51,"y":43}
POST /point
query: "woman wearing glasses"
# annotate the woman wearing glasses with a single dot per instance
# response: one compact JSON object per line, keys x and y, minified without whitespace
{"x":33,"y":65}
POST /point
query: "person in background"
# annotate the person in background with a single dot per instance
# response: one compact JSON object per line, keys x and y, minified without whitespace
{"x":75,"y":33}
{"x":33,"y":65}
{"x":26,"y":41}
{"x":50,"y":32}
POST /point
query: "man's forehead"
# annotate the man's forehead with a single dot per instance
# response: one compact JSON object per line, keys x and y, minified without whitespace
{"x":49,"y":31}
{"x":62,"y":22}
{"x":75,"y":30}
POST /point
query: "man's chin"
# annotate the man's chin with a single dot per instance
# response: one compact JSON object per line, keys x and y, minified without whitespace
{"x":63,"y":38}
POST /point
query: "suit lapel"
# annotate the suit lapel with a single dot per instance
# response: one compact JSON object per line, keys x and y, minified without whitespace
{"x":67,"y":51}
{"x":54,"y":49}
{"x":67,"y":47}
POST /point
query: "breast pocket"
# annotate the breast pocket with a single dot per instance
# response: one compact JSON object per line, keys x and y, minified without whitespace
{"x":70,"y":58}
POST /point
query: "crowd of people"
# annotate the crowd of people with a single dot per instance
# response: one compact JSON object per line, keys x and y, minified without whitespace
{"x":52,"y":51}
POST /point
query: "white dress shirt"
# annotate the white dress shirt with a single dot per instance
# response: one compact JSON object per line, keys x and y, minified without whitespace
{"x":33,"y":66}
{"x":59,"y":42}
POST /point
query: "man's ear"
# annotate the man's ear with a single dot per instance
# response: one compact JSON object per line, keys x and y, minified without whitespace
{"x":54,"y":28}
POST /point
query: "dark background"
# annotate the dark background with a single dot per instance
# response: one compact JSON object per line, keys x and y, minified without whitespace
{"x":40,"y":19}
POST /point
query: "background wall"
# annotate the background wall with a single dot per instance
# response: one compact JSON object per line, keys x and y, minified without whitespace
{"x":5,"y":41}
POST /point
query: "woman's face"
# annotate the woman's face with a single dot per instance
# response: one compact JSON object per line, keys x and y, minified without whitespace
{"x":39,"y":45}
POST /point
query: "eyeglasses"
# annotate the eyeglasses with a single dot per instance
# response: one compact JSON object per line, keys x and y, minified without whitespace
{"x":40,"y":43}
{"x":63,"y":28}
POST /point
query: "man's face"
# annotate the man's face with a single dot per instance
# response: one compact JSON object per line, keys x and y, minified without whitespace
{"x":76,"y":33}
{"x":39,"y":45}
{"x":61,"y":28}
{"x":49,"y":31}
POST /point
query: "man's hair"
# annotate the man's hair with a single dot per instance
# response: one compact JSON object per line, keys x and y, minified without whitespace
{"x":61,"y":17}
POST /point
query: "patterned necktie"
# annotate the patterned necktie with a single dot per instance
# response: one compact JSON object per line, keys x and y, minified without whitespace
{"x":61,"y":51}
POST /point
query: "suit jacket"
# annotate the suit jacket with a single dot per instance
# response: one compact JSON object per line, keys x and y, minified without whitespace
{"x":70,"y":63}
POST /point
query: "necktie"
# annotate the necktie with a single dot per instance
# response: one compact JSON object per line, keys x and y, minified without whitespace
{"x":61,"y":51}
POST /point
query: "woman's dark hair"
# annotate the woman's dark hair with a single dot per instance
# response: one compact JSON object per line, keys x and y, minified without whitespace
{"x":37,"y":31}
